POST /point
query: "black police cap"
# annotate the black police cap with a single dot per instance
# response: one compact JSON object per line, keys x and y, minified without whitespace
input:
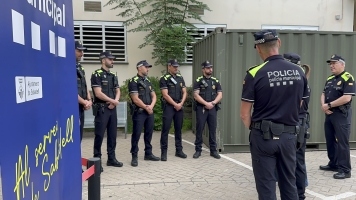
{"x":143,"y":63}
{"x":206,"y":64}
{"x":292,"y":57}
{"x":79,"y":45}
{"x":106,"y":54}
{"x":173,"y":62}
{"x":264,"y":36}
{"x":336,"y":58}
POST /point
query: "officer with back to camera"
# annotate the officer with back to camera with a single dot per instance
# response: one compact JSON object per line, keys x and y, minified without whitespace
{"x":84,"y":98}
{"x":301,"y":171}
{"x":174,"y":93}
{"x":106,"y":92}
{"x":207,"y":96}
{"x":336,"y":104}
{"x":275,"y":89}
{"x":143,"y":99}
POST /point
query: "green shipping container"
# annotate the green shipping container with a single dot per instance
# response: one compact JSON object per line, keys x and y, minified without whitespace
{"x":232,"y":52}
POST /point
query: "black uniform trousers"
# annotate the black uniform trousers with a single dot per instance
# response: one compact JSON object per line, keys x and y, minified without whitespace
{"x":141,"y":119}
{"x":204,"y":115}
{"x":337,"y":127}
{"x":170,"y":114}
{"x":81,"y":117}
{"x":301,"y":170}
{"x":269,"y":156}
{"x":105,"y":119}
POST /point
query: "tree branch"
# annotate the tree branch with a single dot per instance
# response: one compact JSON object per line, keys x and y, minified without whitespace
{"x":139,"y":10}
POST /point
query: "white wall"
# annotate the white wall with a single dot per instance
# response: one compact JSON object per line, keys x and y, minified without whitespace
{"x":236,"y":14}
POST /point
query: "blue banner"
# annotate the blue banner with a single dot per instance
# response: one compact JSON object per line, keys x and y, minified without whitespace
{"x":40,"y":142}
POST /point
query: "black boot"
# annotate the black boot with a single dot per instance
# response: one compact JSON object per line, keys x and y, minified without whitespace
{"x":180,"y":154}
{"x":164,"y":155}
{"x":134,"y":161}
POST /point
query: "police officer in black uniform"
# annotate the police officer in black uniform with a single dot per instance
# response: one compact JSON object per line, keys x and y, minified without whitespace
{"x":84,"y":98}
{"x":275,"y":90}
{"x":207,"y":95}
{"x":106,"y":92}
{"x":300,"y":171}
{"x":174,"y":93}
{"x":143,"y":100}
{"x":336,"y":104}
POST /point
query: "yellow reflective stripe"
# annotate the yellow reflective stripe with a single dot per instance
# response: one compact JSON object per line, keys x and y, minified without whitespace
{"x":346,"y":76}
{"x":254,"y":70}
{"x":330,"y":77}
{"x":198,"y":79}
{"x":82,"y":68}
{"x":215,"y":79}
{"x":179,"y":75}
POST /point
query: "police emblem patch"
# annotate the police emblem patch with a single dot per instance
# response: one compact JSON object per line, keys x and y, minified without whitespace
{"x":207,"y":62}
{"x":213,"y":87}
{"x":150,"y":87}
{"x":339,"y":83}
{"x":333,"y":56}
{"x":243,"y":83}
{"x":181,"y":84}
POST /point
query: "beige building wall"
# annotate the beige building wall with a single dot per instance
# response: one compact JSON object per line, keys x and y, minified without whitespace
{"x":241,"y":14}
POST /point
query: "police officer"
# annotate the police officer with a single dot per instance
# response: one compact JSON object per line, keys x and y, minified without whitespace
{"x":143,"y":100}
{"x":301,"y":172}
{"x":207,"y":94}
{"x":84,"y":98}
{"x":336,"y":104}
{"x":174,"y":93}
{"x":275,"y":90}
{"x":106,"y":92}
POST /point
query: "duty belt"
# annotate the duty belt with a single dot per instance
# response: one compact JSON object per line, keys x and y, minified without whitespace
{"x":257,"y":125}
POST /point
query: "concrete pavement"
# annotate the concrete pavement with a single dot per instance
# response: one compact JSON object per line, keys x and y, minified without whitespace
{"x":230,"y":177}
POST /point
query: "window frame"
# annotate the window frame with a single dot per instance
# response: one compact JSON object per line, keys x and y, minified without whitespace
{"x":103,"y":25}
{"x":199,"y":27}
{"x":101,"y":4}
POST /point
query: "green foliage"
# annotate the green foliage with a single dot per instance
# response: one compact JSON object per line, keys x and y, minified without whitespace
{"x":166,"y":22}
{"x":187,"y":123}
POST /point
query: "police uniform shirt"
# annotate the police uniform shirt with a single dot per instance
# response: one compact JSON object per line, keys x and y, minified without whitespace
{"x":174,"y":84}
{"x":276,"y":88}
{"x":100,"y":78}
{"x":81,"y":82}
{"x":136,"y":87}
{"x":337,"y":86}
{"x":212,"y":82}
{"x":305,"y":105}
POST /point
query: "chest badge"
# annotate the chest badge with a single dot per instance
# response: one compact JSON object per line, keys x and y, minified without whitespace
{"x":213,"y":87}
{"x":339,"y":83}
{"x":104,"y":76}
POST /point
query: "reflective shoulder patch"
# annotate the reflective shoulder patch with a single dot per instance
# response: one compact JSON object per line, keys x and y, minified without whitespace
{"x":217,"y":80}
{"x":113,"y":73}
{"x":346,"y":76}
{"x":253,"y":70}
{"x":330,"y":77}
{"x":199,"y":78}
{"x":179,"y":75}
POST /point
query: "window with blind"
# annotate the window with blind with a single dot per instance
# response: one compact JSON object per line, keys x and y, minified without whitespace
{"x":101,"y":36}
{"x":199,"y":33}
{"x":92,"y":5}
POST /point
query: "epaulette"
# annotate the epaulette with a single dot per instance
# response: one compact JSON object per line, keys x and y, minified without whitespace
{"x":178,"y":75}
{"x":346,"y":76}
{"x":113,"y":73}
{"x":166,"y":76}
{"x":98,"y":71}
{"x":330,"y":77}
{"x":199,"y":78}
{"x":135,"y":78}
{"x":217,"y":80}
{"x":252,"y":67}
